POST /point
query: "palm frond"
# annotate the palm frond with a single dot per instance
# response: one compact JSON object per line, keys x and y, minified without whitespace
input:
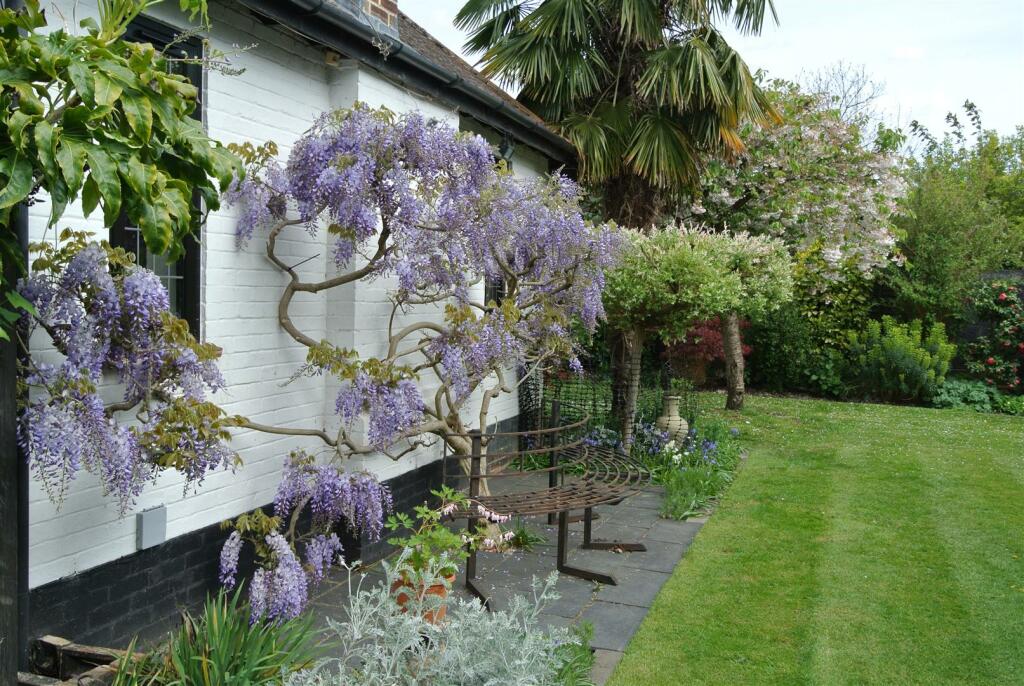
{"x":564,"y":20}
{"x":641,"y":21}
{"x":661,"y":151}
{"x":747,"y":15}
{"x":598,"y":137}
{"x":684,"y":76}
{"x":551,"y":71}
{"x":487,"y":32}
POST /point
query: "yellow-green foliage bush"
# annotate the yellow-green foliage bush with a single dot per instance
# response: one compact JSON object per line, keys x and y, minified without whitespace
{"x":899,"y":362}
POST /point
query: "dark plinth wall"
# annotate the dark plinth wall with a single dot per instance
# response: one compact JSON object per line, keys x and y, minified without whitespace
{"x":142,"y":594}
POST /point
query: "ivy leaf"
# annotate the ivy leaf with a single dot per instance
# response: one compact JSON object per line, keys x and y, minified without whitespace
{"x":139,"y":113}
{"x":19,"y":183}
{"x":81,"y":78}
{"x":43,"y":134}
{"x":71,"y":158}
{"x":107,"y":92}
{"x":103,"y":172}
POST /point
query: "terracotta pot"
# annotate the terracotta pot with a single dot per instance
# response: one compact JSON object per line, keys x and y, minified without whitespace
{"x":402,"y":597}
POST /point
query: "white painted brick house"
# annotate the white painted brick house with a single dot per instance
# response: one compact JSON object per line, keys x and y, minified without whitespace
{"x":89,"y":580}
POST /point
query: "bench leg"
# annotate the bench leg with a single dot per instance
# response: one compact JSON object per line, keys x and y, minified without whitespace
{"x":617,"y":546}
{"x":564,"y":568}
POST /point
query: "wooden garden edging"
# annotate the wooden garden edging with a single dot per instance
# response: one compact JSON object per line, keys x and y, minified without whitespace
{"x":59,"y":662}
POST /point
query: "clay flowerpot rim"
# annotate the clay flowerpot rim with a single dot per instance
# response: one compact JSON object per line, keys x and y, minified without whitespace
{"x":404,"y":580}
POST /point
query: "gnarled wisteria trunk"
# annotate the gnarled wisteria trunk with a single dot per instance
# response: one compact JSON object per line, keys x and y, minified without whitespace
{"x":425,"y":207}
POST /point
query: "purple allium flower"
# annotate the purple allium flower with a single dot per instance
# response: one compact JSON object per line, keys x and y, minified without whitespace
{"x":229,"y":559}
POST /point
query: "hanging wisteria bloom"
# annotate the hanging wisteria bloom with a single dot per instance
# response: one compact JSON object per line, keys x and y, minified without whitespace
{"x":102,"y":312}
{"x":279,"y":591}
{"x":425,"y":211}
{"x":334,"y":500}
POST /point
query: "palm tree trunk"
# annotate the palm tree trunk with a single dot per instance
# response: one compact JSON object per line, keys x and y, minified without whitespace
{"x":631,"y":201}
{"x":732,"y":345}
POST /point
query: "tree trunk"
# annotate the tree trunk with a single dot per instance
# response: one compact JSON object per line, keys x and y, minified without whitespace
{"x":631,"y":202}
{"x":733,"y":347}
{"x":626,"y":348}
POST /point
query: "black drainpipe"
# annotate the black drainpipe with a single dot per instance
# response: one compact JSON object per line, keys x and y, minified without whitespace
{"x":14,"y":478}
{"x":21,"y":226}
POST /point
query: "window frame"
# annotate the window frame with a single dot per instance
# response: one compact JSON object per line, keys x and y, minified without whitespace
{"x":186,"y":305}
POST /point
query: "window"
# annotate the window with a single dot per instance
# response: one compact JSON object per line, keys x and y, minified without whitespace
{"x":494,"y":290}
{"x":182,"y":278}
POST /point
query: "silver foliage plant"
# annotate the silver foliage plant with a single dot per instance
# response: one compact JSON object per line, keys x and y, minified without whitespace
{"x":376,"y":644}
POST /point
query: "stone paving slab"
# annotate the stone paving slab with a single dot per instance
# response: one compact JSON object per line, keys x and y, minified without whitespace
{"x":614,"y":624}
{"x":605,"y":662}
{"x":637,"y":587}
{"x":614,"y":611}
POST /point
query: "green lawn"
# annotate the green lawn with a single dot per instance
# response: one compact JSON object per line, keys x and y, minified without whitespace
{"x":858,"y":544}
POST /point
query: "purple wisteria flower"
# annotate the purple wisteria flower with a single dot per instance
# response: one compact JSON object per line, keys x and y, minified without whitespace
{"x":321,"y":553}
{"x":358,"y":500}
{"x":113,"y":319}
{"x":392,"y":408}
{"x":279,"y":593}
{"x":441,"y":218}
{"x":229,"y":559}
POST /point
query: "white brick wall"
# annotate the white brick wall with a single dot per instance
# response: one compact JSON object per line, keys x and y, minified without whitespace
{"x":285,"y":86}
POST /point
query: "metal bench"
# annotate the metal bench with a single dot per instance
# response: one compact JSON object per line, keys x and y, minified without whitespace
{"x":597,"y":475}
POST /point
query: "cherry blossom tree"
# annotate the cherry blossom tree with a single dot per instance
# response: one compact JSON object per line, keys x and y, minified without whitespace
{"x":811,"y":181}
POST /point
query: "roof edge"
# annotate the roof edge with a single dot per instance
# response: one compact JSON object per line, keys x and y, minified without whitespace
{"x":332,"y":26}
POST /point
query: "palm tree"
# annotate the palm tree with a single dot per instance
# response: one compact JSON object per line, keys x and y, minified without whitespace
{"x":645,"y":89}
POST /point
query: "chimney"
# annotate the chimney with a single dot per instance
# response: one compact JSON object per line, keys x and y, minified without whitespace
{"x":385,"y":11}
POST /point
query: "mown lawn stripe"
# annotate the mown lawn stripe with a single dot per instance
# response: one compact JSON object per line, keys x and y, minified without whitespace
{"x":859,"y":544}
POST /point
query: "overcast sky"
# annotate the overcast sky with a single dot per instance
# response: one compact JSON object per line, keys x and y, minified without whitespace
{"x":930,"y":54}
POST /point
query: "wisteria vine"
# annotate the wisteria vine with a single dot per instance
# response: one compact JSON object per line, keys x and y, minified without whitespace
{"x":281,"y":584}
{"x":414,"y":201}
{"x":104,"y":313}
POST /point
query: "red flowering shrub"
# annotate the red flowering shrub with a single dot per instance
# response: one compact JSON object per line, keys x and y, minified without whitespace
{"x":998,"y":358}
{"x":704,"y":342}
